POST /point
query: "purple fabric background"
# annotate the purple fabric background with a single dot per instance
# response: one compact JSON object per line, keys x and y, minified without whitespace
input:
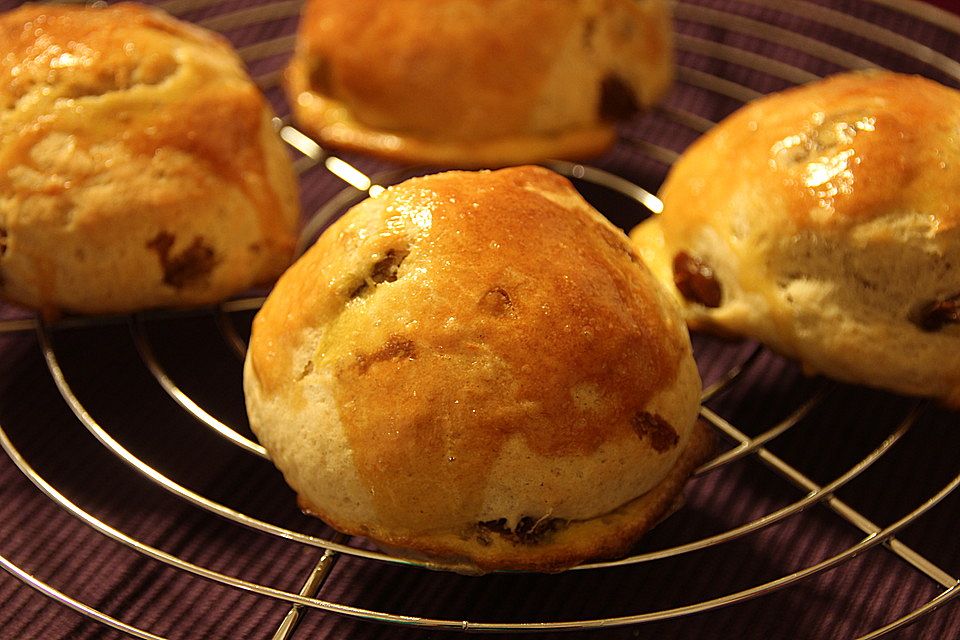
{"x":110,"y":379}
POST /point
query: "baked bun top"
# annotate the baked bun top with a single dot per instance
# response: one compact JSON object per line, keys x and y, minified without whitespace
{"x":477,"y":82}
{"x":468,"y":349}
{"x":823,"y":220}
{"x":121,"y":127}
{"x":846,"y":151}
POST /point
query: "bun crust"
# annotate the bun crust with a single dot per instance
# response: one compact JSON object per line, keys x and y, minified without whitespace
{"x":138,"y":164}
{"x":477,"y":82}
{"x":476,"y":368}
{"x":827,"y":216}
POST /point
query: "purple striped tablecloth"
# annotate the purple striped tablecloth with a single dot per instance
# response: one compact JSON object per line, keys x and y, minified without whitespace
{"x":101,"y":363}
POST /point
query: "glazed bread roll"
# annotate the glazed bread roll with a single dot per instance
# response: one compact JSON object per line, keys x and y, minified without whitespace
{"x":477,"y":369}
{"x":138,"y":164}
{"x":823,"y":221}
{"x":477,"y":82}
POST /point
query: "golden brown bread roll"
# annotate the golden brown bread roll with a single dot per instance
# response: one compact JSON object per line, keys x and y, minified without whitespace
{"x":476,"y":368}
{"x":477,"y":82}
{"x":824,"y":221}
{"x":138,"y":164}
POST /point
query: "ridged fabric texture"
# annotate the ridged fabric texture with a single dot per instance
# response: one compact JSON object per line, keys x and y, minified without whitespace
{"x":102,"y":365}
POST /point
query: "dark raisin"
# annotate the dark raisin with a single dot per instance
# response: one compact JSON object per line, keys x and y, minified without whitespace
{"x":529,"y":530}
{"x":662,"y":436}
{"x":3,"y":241}
{"x":617,"y":99}
{"x":696,"y":280}
{"x":935,"y":315}
{"x":383,"y":270}
{"x":483,"y":535}
{"x":307,"y":370}
{"x":358,"y":290}
{"x":495,"y":302}
{"x":396,"y":347}
{"x":192,"y":264}
{"x":162,"y":244}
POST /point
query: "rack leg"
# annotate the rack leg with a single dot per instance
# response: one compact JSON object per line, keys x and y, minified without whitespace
{"x":310,"y":588}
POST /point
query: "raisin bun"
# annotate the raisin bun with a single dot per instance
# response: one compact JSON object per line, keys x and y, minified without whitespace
{"x":825,"y":221}
{"x":477,"y":369}
{"x":477,"y":82}
{"x":138,"y":164}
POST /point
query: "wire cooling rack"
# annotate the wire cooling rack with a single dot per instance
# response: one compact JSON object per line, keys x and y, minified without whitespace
{"x":826,"y":498}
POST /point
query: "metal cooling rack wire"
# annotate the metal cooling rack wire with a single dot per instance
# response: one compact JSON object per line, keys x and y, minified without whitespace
{"x":186,"y":402}
{"x":742,"y":93}
{"x":817,"y":493}
{"x":229,"y":331}
{"x":745,"y":445}
{"x":871,"y":540}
